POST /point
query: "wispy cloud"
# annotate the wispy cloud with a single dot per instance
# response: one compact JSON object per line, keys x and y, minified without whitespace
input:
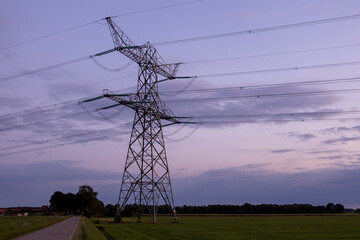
{"x":33,"y":184}
{"x":248,"y":107}
{"x":301,"y":136}
{"x":236,"y":186}
{"x":282,"y":150}
{"x":341,"y":140}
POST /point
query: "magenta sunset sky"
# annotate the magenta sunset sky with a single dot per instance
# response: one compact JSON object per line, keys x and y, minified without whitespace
{"x":294,"y":129}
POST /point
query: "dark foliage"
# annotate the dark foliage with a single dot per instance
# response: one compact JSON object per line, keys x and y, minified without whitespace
{"x":84,"y":201}
{"x":260,"y":209}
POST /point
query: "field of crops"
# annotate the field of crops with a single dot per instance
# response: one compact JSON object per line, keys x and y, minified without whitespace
{"x":341,"y":226}
{"x":12,"y":226}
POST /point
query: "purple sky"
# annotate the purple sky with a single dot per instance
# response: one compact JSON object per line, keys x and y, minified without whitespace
{"x":313,"y":161}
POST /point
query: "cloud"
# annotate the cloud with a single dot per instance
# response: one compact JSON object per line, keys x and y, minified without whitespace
{"x":237,"y":186}
{"x":33,"y":184}
{"x":63,"y":124}
{"x":340,"y":129}
{"x":282,"y":150}
{"x":249,"y":104}
{"x":70,"y":119}
{"x":323,"y":151}
{"x":302,"y":137}
{"x":341,"y":140}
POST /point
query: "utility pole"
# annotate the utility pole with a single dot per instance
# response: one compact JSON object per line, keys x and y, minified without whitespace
{"x":146,"y":175}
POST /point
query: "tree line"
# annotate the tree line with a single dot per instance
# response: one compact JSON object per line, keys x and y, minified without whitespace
{"x":248,"y":208}
{"x":85,"y":202}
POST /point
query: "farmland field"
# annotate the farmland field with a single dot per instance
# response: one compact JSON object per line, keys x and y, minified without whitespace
{"x":341,"y":226}
{"x":12,"y":226}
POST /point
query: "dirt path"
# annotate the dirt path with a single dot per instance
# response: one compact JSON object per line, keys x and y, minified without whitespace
{"x":63,"y":230}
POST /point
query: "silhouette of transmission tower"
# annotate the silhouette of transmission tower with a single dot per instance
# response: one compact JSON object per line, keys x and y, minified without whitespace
{"x":146,"y":175}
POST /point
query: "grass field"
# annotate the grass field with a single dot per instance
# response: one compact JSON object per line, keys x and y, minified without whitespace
{"x":13,"y":226}
{"x":89,"y":231}
{"x":342,"y":226}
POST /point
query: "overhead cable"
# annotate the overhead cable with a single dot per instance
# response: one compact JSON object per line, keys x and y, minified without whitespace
{"x":259,"y":30}
{"x":92,"y":22}
{"x":64,"y":144}
{"x":55,"y":139}
{"x":69,"y":90}
{"x":289,"y":114}
{"x":280,"y":69}
{"x":270,"y":95}
{"x":44,"y":68}
{"x":271,"y":54}
{"x":157,"y":8}
{"x":273,"y":85}
{"x":278,"y":120}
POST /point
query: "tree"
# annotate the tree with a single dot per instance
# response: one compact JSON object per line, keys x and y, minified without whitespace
{"x":88,"y":203}
{"x":339,"y":208}
{"x":57,"y":201}
{"x":110,"y":210}
{"x":330,"y":207}
{"x":84,"y":201}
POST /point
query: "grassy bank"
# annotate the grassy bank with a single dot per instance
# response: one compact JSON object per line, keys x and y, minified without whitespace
{"x":339,"y":226}
{"x":13,"y":226}
{"x":88,"y":231}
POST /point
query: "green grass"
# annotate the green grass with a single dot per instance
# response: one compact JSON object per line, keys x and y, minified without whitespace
{"x":341,"y":226}
{"x":90,"y":231}
{"x":13,"y":226}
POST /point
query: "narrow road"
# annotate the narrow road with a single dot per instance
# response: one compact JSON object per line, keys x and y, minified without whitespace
{"x":63,"y":230}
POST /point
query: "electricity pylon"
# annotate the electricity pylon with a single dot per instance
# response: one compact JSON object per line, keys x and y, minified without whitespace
{"x":146,"y":175}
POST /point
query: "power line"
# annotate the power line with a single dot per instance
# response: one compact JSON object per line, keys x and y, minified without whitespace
{"x":158,"y":8}
{"x":45,"y":68}
{"x":212,"y":99}
{"x":54,"y":139}
{"x":41,"y":121}
{"x":54,"y":118}
{"x":280,"y":69}
{"x":92,"y":22}
{"x":63,"y":144}
{"x":259,"y":30}
{"x":265,"y":95}
{"x":272,"y":54}
{"x":290,"y":114}
{"x":286,"y":84}
{"x":276,"y":120}
{"x":46,"y":36}
{"x":201,"y":123}
{"x":40,"y":109}
{"x":206,"y":90}
{"x":68,"y":90}
{"x":206,"y":75}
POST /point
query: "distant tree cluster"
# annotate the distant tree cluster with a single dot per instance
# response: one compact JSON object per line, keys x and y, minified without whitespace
{"x":130,"y":209}
{"x":83,"y":202}
{"x":260,"y":209}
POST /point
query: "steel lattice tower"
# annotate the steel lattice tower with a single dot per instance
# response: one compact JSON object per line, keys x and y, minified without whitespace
{"x":146,"y":175}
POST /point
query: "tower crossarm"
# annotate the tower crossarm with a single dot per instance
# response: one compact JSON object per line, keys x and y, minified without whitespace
{"x":132,"y":101}
{"x":145,"y":55}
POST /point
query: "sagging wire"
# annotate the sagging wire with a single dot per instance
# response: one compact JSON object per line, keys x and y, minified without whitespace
{"x":185,"y":137}
{"x":103,"y":117}
{"x":182,"y":90}
{"x":89,"y":112}
{"x":92,"y":57}
{"x":176,"y":131}
{"x":112,"y":116}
